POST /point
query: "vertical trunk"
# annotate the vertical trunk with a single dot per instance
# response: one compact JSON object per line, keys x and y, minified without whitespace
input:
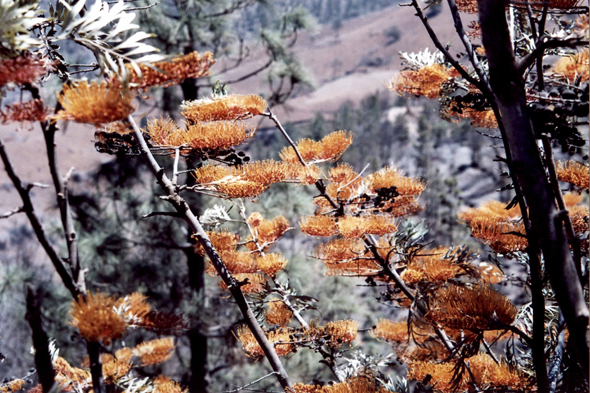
{"x":199,"y":380}
{"x":529,"y":173}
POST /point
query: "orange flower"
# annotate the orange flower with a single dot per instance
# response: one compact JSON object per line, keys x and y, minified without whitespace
{"x":164,"y":132}
{"x":318,"y":225}
{"x":339,"y":249}
{"x":33,"y":110}
{"x":133,"y":307}
{"x":23,"y":69}
{"x":171,"y":72}
{"x":278,"y":313}
{"x":253,"y":349}
{"x":230,"y":107}
{"x":154,"y":351}
{"x":94,"y":103}
{"x":271,"y":264}
{"x":164,"y":384}
{"x":330,"y":148}
{"x":269,"y":231}
{"x":479,"y":307}
{"x":573,"y":67}
{"x":356,"y":227}
{"x":215,"y":135}
{"x":113,"y":368}
{"x":426,"y":81}
{"x":96,"y":319}
{"x":391,"y":177}
{"x":575,"y":173}
{"x":340,"y":332}
{"x":222,"y":241}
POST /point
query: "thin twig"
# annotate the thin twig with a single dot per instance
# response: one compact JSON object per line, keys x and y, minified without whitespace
{"x":251,"y":383}
{"x":14,"y":211}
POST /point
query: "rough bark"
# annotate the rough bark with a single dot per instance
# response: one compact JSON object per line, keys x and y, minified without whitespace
{"x":528,"y":171}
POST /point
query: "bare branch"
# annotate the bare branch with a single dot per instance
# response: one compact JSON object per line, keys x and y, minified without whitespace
{"x":183,"y":209}
{"x":14,"y":211}
{"x":529,"y":59}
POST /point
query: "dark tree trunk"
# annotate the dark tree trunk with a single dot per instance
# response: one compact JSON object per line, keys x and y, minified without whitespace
{"x":529,"y":175}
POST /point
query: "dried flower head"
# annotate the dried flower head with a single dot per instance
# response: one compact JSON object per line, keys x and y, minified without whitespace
{"x":574,"y":67}
{"x":171,"y":72}
{"x":433,"y":266}
{"x":341,"y":332}
{"x":33,"y":110}
{"x":278,"y":313}
{"x":338,"y":250}
{"x":229,"y":107}
{"x":164,"y":384}
{"x":253,"y":349}
{"x":65,"y":373}
{"x":96,"y":319}
{"x":241,"y":189}
{"x":490,"y":273}
{"x":113,"y":369}
{"x":221,"y":241}
{"x":124,"y":354}
{"x":94,"y":103}
{"x":467,"y":6}
{"x":573,"y":172}
{"x":133,"y":307}
{"x":216,"y":135}
{"x":426,"y":81}
{"x":479,"y":307}
{"x":330,"y":148}
{"x":269,"y":231}
{"x":271,"y":264}
{"x":356,"y":227}
{"x":235,"y":262}
{"x":362,"y":383}
{"x":12,"y":386}
{"x":164,"y":132}
{"x":23,"y":69}
{"x":318,"y":225}
{"x":391,"y":177}
{"x":154,"y":351}
{"x":485,"y":371}
{"x":391,"y":331}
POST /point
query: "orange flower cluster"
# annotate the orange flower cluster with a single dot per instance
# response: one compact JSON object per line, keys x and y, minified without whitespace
{"x":330,"y":148}
{"x":229,"y":108}
{"x":575,"y":173}
{"x":222,"y":241}
{"x":478,"y":118}
{"x":467,"y":6}
{"x":94,"y":103}
{"x":357,"y":384}
{"x":67,"y":375}
{"x":164,"y":384}
{"x":12,"y":386}
{"x":432,"y":267}
{"x":99,"y":317}
{"x":426,"y":81}
{"x":347,"y":226}
{"x":278,"y":313}
{"x":23,"y":69}
{"x":479,"y":308}
{"x":114,"y":369}
{"x":497,"y":227}
{"x":251,"y":179}
{"x":171,"y":72}
{"x":268,"y":231}
{"x":334,"y":333}
{"x":485,"y":370}
{"x":392,"y":177}
{"x":154,"y":351}
{"x":573,"y":67}
{"x":96,"y":319}
{"x":33,"y":110}
{"x":276,"y":337}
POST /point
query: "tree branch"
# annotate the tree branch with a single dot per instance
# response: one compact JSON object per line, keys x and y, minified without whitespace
{"x":529,"y":173}
{"x":29,"y":210}
{"x":183,"y":209}
{"x":529,"y":59}
{"x":40,"y":341}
